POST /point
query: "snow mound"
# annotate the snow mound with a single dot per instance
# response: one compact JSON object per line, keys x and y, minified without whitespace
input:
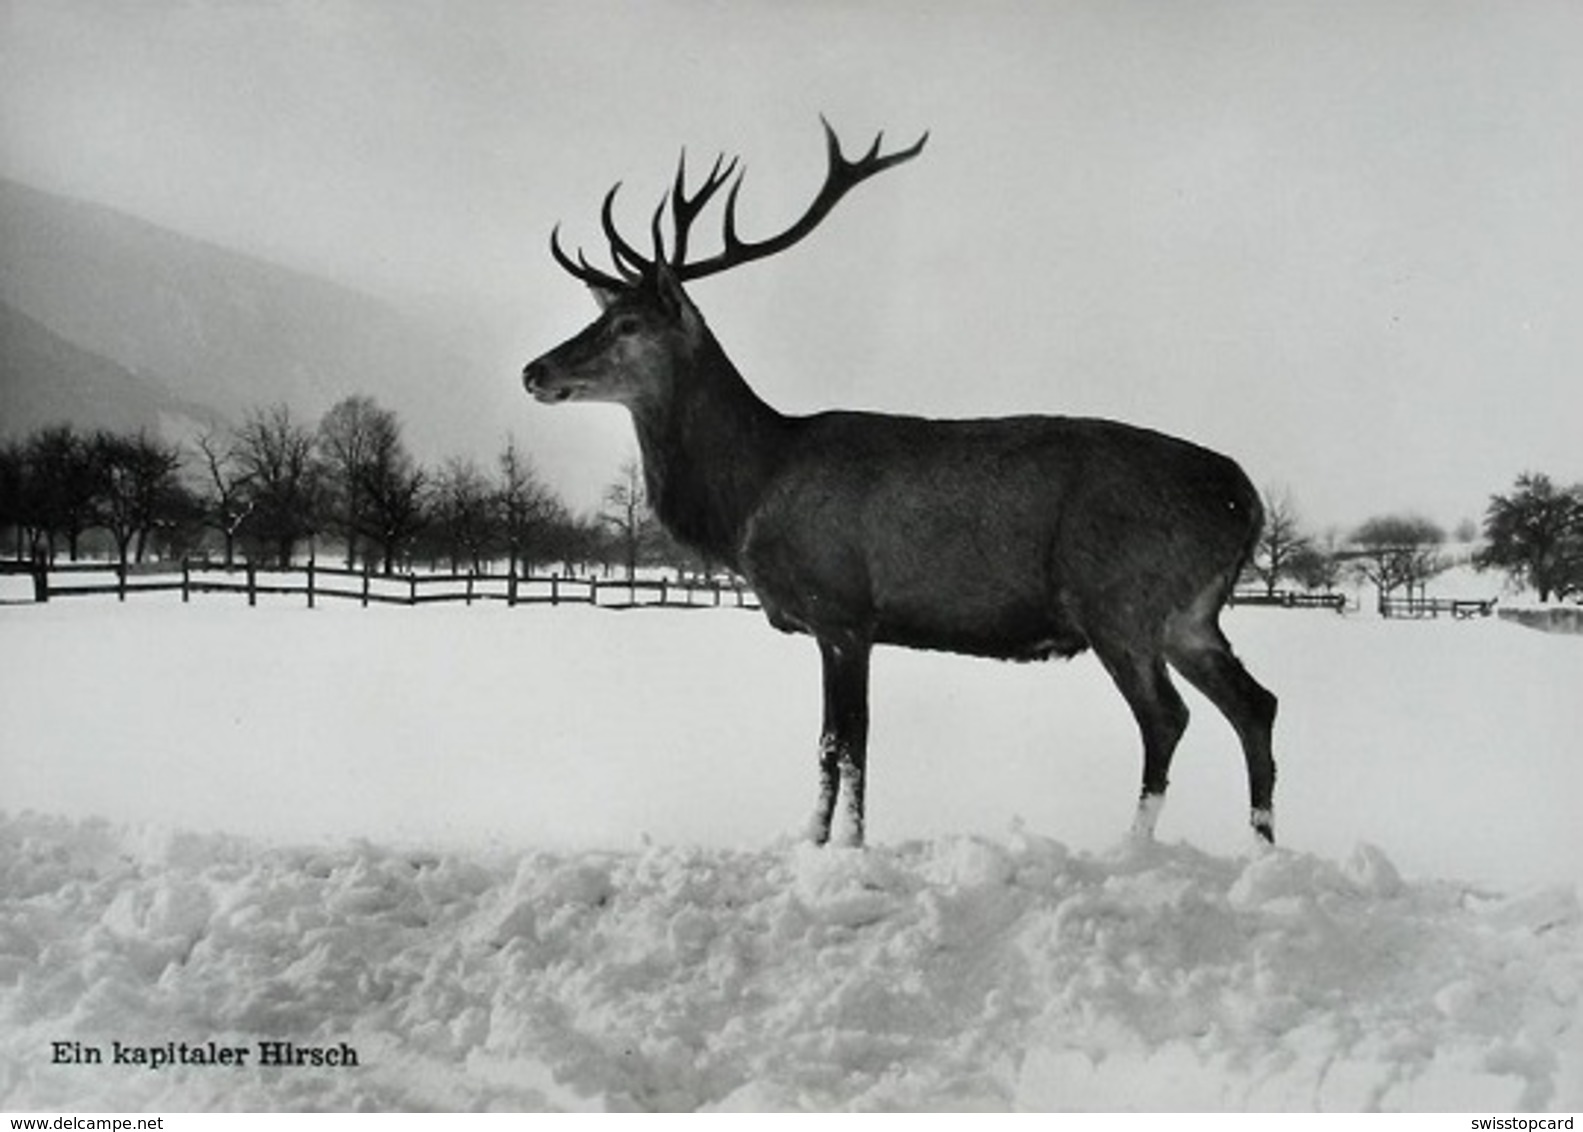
{"x":941,"y":974}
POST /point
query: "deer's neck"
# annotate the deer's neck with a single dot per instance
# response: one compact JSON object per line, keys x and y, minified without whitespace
{"x":709,"y":450}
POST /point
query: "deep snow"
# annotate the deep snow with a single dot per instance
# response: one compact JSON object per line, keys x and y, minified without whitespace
{"x":543,"y":859}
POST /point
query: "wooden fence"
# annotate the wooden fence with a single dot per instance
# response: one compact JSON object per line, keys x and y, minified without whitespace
{"x":314,"y":582}
{"x":1417,"y":607}
{"x":1414,"y":606}
{"x":1290,"y":599}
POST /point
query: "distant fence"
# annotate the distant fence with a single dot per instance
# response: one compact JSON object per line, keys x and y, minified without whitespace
{"x":1419,"y":607}
{"x":314,"y":582}
{"x":1416,"y":606}
{"x":1290,"y":599}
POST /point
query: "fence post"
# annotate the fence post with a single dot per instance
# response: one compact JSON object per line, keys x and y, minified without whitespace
{"x":186,"y":581}
{"x":470,"y":587}
{"x":365,"y":585}
{"x":662,"y":593}
{"x":40,"y":576}
{"x":412,"y":589}
{"x":252,"y":583}
{"x":555,"y":589}
{"x":511,"y":589}
{"x":310,"y":582}
{"x":120,"y":580}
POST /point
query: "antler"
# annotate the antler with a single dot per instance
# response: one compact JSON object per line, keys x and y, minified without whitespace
{"x":684,"y":209}
{"x":629,"y":262}
{"x":581,"y":269}
{"x":840,"y":177}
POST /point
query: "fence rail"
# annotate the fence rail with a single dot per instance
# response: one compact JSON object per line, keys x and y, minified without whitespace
{"x":313,"y":582}
{"x":1416,"y":607}
{"x":1290,"y":599}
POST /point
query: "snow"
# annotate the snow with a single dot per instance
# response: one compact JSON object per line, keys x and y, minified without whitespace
{"x":547,"y":859}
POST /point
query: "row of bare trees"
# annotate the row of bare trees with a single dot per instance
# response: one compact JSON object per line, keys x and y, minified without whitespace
{"x":58,"y":485}
{"x":277,"y":485}
{"x":1534,"y":534}
{"x":269,"y":486}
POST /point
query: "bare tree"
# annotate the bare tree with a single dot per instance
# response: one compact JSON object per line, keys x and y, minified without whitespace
{"x":351,"y":436}
{"x":526,"y":509}
{"x":59,"y":474}
{"x":1396,"y":551}
{"x":179,"y":524}
{"x":16,"y":502}
{"x":1280,"y":540}
{"x":463,"y":508}
{"x":136,"y":487}
{"x":1316,"y":565}
{"x":572,"y":540}
{"x":274,"y":452}
{"x":391,"y":489}
{"x":627,"y":514}
{"x":227,"y":497}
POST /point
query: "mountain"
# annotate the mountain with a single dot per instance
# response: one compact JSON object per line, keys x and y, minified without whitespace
{"x":44,"y":380}
{"x":117,"y":317}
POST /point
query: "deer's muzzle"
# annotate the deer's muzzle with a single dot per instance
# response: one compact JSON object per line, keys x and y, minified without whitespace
{"x":539,"y":380}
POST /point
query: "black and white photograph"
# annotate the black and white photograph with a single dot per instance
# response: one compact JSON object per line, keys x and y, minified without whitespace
{"x":747,"y":556}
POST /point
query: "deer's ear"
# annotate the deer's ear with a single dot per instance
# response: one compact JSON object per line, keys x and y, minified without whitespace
{"x":668,"y":289}
{"x":604,"y":296}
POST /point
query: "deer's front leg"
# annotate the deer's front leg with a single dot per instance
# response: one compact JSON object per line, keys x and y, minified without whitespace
{"x":843,"y":743}
{"x":829,"y":787}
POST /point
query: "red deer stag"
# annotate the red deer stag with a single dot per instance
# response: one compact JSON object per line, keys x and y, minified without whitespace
{"x":1022,"y":538}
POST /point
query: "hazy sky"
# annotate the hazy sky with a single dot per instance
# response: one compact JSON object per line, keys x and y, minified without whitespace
{"x":1339,"y":241}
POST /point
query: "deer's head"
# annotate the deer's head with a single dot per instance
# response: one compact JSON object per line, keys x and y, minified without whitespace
{"x":647,"y":325}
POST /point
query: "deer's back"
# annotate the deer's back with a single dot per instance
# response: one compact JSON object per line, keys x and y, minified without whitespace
{"x":997,"y":537}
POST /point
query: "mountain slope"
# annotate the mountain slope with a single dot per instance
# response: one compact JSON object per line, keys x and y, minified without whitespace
{"x":222,"y":329}
{"x":44,"y":380}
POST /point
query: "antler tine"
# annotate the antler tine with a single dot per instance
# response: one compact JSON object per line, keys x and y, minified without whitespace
{"x":628,"y":260}
{"x":685,"y":208}
{"x":656,"y":234}
{"x":586,"y":266}
{"x":871,"y":162}
{"x":580,"y":269}
{"x":832,"y":144}
{"x":733,"y":245}
{"x":840,"y":177}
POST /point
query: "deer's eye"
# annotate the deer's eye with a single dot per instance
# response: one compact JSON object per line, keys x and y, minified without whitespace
{"x":625,"y":324}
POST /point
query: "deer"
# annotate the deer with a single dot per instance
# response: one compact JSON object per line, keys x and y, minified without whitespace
{"x":1021,"y":538}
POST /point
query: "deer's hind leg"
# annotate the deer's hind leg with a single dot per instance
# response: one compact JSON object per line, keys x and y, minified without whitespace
{"x":1141,"y":677}
{"x":1198,"y":650}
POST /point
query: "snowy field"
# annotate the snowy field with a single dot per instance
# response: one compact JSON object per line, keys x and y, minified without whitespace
{"x":548,"y":859}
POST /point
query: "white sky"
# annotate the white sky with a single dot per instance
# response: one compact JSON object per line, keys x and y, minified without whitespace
{"x":1338,"y":240}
